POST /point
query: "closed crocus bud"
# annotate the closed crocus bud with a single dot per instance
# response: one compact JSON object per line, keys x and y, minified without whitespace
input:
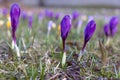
{"x":113,"y":24}
{"x":107,"y":30}
{"x":110,"y":30}
{"x":40,"y":16}
{"x":14,"y":15}
{"x":88,"y":33}
{"x":24,"y":15}
{"x":57,"y":16}
{"x":75,"y":15}
{"x":49,"y":14}
{"x":50,"y":24}
{"x":65,"y":28}
{"x":30,"y":21}
{"x":79,"y":26}
{"x":114,"y":31}
{"x":5,"y":11}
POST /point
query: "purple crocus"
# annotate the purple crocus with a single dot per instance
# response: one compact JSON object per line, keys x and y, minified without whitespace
{"x":113,"y":25}
{"x":57,"y":15}
{"x":107,"y":30}
{"x":40,"y":16}
{"x":111,"y":28}
{"x":75,"y":15}
{"x":65,"y":28}
{"x":30,"y":21}
{"x":49,"y":14}
{"x":88,"y":32}
{"x":5,"y":11}
{"x":14,"y":15}
{"x":24,"y":15}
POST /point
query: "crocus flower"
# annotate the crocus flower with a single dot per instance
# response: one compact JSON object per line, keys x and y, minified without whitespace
{"x":8,"y":24}
{"x":65,"y":28}
{"x":57,"y":15}
{"x":49,"y":14}
{"x":79,"y":26}
{"x":88,"y":33}
{"x":24,"y":15}
{"x":30,"y":21}
{"x":51,"y":25}
{"x":40,"y":16}
{"x":5,"y":11}
{"x":113,"y":25}
{"x":14,"y":15}
{"x":111,"y":28}
{"x":107,"y":30}
{"x":58,"y":28}
{"x":75,"y":15}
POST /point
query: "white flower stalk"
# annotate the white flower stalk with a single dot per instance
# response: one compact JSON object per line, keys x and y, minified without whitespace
{"x":80,"y":55}
{"x":49,"y":27}
{"x":108,"y":42}
{"x":17,"y":51}
{"x":64,"y":59}
{"x":40,"y":19}
{"x":13,"y":44}
{"x":79,"y":26}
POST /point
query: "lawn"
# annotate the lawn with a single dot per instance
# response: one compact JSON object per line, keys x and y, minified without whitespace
{"x":41,"y":50}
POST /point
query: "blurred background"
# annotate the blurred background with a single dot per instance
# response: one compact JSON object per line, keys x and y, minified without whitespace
{"x":66,"y":3}
{"x":84,"y":7}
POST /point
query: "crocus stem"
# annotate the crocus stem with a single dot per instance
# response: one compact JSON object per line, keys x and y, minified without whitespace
{"x":108,"y":42}
{"x":80,"y":55}
{"x":63,"y":60}
{"x":84,"y":45}
{"x":78,"y":29}
{"x":63,"y":42}
{"x":13,"y":44}
{"x":48,"y":33}
{"x":13,"y":40}
{"x":82,"y":51}
{"x":14,"y":37}
{"x":17,"y":51}
{"x":30,"y":31}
